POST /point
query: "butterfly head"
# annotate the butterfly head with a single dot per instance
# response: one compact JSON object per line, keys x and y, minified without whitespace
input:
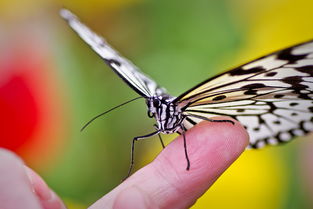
{"x":168,"y":115}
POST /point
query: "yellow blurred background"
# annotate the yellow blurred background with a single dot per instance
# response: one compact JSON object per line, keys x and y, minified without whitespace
{"x":51,"y":83}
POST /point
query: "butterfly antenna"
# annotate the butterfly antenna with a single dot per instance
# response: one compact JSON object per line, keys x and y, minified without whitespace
{"x":101,"y":114}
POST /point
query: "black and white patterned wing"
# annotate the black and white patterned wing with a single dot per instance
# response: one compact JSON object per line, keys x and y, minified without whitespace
{"x":141,"y":83}
{"x":271,"y":96}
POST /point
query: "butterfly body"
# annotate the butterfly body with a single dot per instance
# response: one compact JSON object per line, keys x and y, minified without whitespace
{"x":168,"y":115}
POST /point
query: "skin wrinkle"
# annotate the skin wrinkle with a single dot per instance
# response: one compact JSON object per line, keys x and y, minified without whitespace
{"x":121,"y":200}
{"x":169,"y":167}
{"x":158,"y":191}
{"x":147,"y":198}
{"x":172,"y":184}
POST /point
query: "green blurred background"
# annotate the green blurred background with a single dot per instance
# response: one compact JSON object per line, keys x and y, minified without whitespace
{"x":51,"y":83}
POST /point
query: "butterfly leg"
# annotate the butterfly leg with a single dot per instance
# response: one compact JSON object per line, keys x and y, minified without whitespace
{"x":161,"y":140}
{"x":133,"y":150}
{"x":185,"y":148}
{"x":227,"y":121}
{"x":211,"y":120}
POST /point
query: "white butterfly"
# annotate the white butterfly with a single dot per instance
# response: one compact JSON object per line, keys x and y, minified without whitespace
{"x":271,"y":96}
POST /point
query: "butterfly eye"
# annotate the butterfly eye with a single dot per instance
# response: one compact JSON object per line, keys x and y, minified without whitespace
{"x":156,"y":103}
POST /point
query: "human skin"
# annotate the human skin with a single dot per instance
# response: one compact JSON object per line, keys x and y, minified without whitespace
{"x":164,"y":183}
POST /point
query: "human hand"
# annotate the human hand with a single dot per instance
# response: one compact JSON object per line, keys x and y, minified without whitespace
{"x":164,"y":183}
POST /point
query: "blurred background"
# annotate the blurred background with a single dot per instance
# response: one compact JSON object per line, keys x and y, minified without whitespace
{"x":51,"y":83}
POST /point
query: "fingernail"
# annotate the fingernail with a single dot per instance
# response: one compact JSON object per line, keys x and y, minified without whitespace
{"x":47,"y":197}
{"x":38,"y":185}
{"x":54,"y":202}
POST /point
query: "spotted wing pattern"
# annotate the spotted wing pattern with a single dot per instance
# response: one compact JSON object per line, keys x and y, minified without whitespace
{"x":126,"y":70}
{"x":271,"y":96}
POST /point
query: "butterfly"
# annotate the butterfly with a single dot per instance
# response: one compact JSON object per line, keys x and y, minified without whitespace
{"x":271,"y":96}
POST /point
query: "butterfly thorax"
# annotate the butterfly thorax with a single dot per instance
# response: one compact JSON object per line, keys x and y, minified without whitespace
{"x":167,"y":114}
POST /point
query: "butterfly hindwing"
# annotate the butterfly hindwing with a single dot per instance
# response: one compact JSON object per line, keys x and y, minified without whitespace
{"x":126,"y":70}
{"x":271,"y":96}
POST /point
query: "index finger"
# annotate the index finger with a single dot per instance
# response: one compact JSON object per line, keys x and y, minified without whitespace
{"x":165,"y":183}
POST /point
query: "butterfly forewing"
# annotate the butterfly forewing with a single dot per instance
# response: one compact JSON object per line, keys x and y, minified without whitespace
{"x":126,"y":70}
{"x":271,"y":96}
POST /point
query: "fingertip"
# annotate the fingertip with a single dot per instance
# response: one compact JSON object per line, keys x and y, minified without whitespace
{"x":10,"y":159}
{"x":211,"y":146}
{"x":207,"y":142}
{"x":232,"y":137}
{"x":47,"y":197}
